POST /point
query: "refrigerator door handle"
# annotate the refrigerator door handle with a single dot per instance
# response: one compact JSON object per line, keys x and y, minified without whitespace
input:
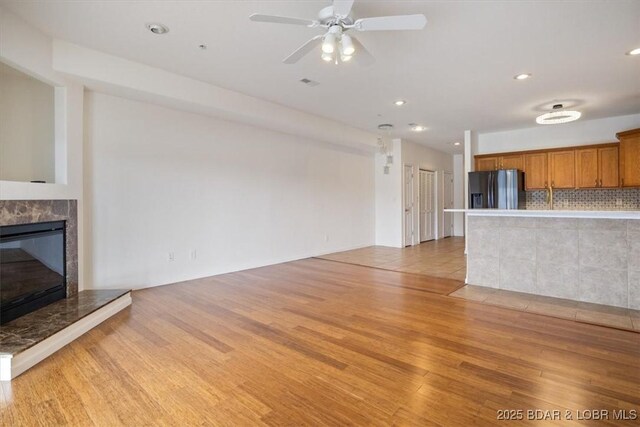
{"x":490,"y":201}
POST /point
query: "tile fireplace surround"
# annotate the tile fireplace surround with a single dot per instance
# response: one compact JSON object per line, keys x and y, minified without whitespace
{"x":14,"y":212}
{"x":31,"y":338}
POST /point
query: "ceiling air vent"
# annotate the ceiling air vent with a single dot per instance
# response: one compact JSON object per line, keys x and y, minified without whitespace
{"x":309,"y":82}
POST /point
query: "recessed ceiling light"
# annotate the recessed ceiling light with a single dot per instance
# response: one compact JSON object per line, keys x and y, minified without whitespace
{"x":157,"y":28}
{"x":523,"y":76}
{"x":558,"y":115}
{"x":203,"y":46}
{"x":417,"y":128}
{"x":400,"y":102}
{"x":634,"y":52}
{"x":456,"y":143}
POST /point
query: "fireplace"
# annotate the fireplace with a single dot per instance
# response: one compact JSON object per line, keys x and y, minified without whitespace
{"x":32,"y":267}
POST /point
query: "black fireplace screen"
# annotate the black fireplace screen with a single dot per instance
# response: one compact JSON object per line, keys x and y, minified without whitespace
{"x":32,"y":267}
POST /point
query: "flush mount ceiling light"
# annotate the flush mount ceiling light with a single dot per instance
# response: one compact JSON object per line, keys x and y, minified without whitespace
{"x":417,"y":128}
{"x":558,"y":115}
{"x":157,"y":28}
{"x":524,"y":76}
{"x":634,"y":52}
{"x":385,"y":126}
{"x":399,"y":102}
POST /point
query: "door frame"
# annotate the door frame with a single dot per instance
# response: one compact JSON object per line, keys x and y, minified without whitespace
{"x":434,"y":201}
{"x":405,"y":166}
{"x":444,"y":203}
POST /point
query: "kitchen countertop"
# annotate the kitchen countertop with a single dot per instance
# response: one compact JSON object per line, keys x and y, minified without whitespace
{"x":549,"y":213}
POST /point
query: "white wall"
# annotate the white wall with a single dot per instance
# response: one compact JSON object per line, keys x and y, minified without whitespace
{"x":27,"y":143}
{"x":27,"y":49}
{"x":422,"y":157}
{"x":388,"y":203}
{"x":580,"y":132}
{"x":458,"y":194}
{"x":160,"y":180}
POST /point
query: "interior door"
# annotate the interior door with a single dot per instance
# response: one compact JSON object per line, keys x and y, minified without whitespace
{"x":408,"y":205}
{"x":427,"y":206}
{"x":447,"y":222}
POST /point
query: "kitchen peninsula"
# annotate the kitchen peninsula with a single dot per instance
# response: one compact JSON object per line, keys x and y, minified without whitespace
{"x":590,"y":256}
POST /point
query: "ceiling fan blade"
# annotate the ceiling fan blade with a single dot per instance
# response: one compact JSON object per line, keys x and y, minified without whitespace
{"x":256,"y":17}
{"x":303,"y":50}
{"x":386,"y":23}
{"x":342,"y":7}
{"x":362,"y":56}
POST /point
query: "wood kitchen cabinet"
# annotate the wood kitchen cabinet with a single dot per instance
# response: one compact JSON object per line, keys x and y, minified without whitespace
{"x":562,"y":169}
{"x":491,"y":163}
{"x":597,"y":167}
{"x":608,"y":160}
{"x":587,"y":168}
{"x":512,"y":161}
{"x":629,"y":158}
{"x":486,"y":164}
{"x":536,"y":171}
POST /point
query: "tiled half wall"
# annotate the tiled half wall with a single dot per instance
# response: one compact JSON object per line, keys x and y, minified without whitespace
{"x":591,"y":260}
{"x":30,"y":211}
{"x":603,"y":199}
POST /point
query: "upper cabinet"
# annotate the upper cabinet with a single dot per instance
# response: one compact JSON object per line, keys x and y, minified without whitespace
{"x":629,"y":158}
{"x":594,"y":166}
{"x":597,"y":167}
{"x":536,"y":171}
{"x":491,"y":163}
{"x":562,"y":169}
{"x":486,"y":164}
{"x":587,"y":175}
{"x":512,"y":161}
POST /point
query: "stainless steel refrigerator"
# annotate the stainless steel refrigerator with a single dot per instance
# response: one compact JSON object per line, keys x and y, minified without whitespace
{"x":500,"y":189}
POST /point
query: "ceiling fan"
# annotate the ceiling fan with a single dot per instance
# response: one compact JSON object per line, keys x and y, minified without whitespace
{"x":337,"y":21}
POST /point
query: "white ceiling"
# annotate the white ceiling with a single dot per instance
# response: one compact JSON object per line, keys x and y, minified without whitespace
{"x":456,"y":74}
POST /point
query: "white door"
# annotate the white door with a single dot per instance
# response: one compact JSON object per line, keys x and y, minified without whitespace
{"x":448,"y":204}
{"x":427,"y":206}
{"x":408,"y":205}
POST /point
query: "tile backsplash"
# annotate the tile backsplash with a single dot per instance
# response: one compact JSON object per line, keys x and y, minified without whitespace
{"x":605,"y":199}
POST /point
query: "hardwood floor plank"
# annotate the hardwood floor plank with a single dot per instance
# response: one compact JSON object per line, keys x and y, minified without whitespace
{"x":316,"y":342}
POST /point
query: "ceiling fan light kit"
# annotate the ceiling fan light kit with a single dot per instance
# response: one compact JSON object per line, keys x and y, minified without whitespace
{"x":336,"y":20}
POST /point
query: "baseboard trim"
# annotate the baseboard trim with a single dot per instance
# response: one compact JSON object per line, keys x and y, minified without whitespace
{"x":12,"y":366}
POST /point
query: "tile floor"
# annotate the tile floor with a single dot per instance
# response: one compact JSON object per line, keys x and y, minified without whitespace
{"x":438,"y":258}
{"x":603,"y":315}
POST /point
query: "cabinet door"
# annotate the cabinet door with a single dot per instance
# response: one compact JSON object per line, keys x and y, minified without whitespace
{"x":486,"y":163}
{"x":587,"y":168}
{"x":562,"y":168}
{"x":608,"y":167}
{"x":535,"y":171}
{"x":514,"y":161}
{"x":630,"y":161}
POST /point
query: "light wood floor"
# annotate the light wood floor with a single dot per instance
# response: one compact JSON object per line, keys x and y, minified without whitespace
{"x":315,"y":342}
{"x":605,"y":315}
{"x":436,"y":258}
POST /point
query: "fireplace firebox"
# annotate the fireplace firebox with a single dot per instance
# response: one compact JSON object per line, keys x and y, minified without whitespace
{"x":32,"y":267}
